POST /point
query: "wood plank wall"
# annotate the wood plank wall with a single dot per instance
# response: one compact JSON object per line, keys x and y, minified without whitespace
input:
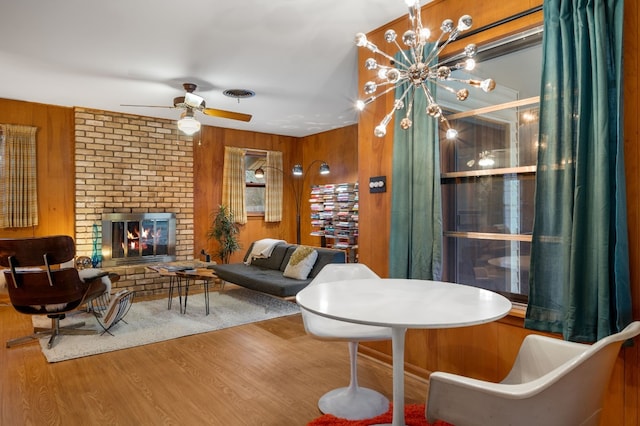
{"x":337,"y":147}
{"x":487,"y":351}
{"x":55,"y":157}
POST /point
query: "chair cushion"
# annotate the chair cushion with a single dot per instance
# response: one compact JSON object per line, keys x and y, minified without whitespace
{"x":300,"y":263}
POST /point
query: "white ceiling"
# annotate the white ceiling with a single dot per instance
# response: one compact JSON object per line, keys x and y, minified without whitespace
{"x":297,"y":55}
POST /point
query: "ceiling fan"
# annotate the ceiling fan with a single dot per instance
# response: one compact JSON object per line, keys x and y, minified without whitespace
{"x":191,"y":102}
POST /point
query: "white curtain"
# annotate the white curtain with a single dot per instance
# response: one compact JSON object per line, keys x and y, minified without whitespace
{"x":273,"y":190}
{"x":233,"y":183}
{"x":18,"y":177}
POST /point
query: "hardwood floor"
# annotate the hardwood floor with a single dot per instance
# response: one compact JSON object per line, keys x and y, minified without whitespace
{"x":268,"y":373}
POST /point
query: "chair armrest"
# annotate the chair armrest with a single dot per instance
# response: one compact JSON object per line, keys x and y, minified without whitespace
{"x":539,"y":355}
{"x":463,"y":400}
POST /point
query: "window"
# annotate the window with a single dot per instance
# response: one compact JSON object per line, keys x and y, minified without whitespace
{"x":254,"y":187}
{"x":488,"y":173}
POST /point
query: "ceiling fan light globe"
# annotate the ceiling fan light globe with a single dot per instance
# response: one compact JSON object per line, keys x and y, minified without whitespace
{"x":188,"y":125}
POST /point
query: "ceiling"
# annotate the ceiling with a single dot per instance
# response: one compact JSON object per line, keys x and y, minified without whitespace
{"x":298,"y":56}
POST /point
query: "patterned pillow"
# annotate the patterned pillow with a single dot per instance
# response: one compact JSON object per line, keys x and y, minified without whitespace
{"x":300,"y":263}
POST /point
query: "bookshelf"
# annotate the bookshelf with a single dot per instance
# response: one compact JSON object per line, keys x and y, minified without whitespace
{"x":334,"y":217}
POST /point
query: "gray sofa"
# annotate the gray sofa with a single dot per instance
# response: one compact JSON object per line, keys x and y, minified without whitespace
{"x":265,"y":275}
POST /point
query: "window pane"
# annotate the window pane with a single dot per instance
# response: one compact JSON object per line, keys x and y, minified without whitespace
{"x":255,"y":199}
{"x":486,"y":143}
{"x":500,"y":204}
{"x":495,"y":265}
{"x":254,"y":186}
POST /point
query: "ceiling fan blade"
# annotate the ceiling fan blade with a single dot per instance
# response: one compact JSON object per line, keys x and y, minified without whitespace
{"x":147,"y":106}
{"x":226,"y":114}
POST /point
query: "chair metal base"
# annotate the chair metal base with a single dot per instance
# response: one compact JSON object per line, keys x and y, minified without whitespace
{"x":55,"y":330}
{"x":353,"y":402}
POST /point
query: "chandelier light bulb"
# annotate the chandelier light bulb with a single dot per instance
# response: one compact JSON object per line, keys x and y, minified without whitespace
{"x":425,"y":33}
{"x":361,"y":40}
{"x":469,"y":64}
{"x":390,"y":36}
{"x":371,"y":64}
{"x":470,"y":50}
{"x":447,"y":26}
{"x":380,"y":131}
{"x":409,"y":38}
{"x":488,"y":85}
{"x":464,"y":23}
{"x":393,"y":75}
{"x":451,"y":134}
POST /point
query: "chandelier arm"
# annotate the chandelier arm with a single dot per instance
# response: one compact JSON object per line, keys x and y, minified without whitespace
{"x":373,"y":98}
{"x":391,"y":58}
{"x":445,"y":87}
{"x":434,"y":50}
{"x":411,"y":98}
{"x":454,"y":35}
{"x":428,"y":94}
{"x":405,"y":66}
{"x":387,"y":82}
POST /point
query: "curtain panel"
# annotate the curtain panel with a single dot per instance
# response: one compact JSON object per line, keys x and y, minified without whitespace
{"x":579,"y":281}
{"x":273,"y":188}
{"x":18,"y":177}
{"x":415,"y":243}
{"x":233,"y":183}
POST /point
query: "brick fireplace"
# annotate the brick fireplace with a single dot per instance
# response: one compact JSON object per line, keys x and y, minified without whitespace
{"x":128,"y":164}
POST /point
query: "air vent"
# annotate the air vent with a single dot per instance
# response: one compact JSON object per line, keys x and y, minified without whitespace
{"x":239,"y":93}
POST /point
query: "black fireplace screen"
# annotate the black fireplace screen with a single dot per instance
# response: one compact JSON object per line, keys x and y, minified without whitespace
{"x":138,"y":238}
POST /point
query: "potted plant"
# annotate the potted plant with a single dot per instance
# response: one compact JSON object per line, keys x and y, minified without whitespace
{"x":224,"y":230}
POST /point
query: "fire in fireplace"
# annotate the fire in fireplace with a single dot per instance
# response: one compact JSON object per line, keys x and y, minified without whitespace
{"x":132,"y":238}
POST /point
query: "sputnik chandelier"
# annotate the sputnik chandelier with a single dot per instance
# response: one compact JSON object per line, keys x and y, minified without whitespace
{"x":415,"y":68}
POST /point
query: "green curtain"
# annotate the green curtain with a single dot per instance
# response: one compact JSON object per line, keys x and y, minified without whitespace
{"x":579,"y":281}
{"x":415,"y":246}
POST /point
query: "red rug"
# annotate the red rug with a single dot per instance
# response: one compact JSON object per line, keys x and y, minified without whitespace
{"x":414,"y":416}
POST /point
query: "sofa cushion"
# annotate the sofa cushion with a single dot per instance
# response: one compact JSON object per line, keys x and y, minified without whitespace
{"x":275,"y":260}
{"x":260,"y":279}
{"x":300,"y":263}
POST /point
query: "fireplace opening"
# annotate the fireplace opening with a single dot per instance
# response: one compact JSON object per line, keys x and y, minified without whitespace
{"x":131,"y":238}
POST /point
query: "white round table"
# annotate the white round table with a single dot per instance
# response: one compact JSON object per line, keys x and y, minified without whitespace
{"x":402,"y":304}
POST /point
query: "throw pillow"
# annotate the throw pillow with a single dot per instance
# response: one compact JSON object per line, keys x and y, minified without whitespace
{"x":300,"y":263}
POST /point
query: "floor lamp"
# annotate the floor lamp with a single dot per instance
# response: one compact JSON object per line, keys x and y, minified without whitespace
{"x":297,"y":184}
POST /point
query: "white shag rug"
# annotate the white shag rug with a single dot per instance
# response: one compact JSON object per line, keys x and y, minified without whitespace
{"x":151,"y":321}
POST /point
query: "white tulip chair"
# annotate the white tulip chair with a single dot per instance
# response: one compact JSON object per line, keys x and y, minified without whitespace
{"x":552,"y":383}
{"x":352,"y":402}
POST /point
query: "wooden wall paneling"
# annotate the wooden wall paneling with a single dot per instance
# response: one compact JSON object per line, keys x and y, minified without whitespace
{"x":631,"y":76}
{"x":208,"y":171}
{"x":55,"y":159}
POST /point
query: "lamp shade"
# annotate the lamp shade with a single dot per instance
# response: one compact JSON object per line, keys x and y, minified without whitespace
{"x":259,"y":173}
{"x":324,"y":169}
